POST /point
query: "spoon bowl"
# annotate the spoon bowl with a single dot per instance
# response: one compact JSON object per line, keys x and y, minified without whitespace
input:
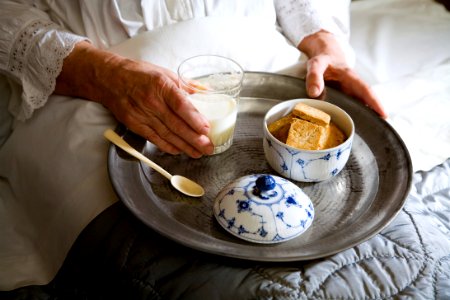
{"x":181,"y":183}
{"x":187,"y":186}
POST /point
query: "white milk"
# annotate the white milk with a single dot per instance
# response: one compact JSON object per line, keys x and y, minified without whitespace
{"x":221,"y":112}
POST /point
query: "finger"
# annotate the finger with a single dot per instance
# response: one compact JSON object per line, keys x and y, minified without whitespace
{"x":353,"y":85}
{"x":316,"y":67}
{"x":182,"y":135}
{"x":145,"y":123}
{"x":179,"y":103}
{"x":132,"y":118}
{"x":166,"y":140}
{"x":172,"y":128}
{"x":368,"y":97}
{"x":150,"y":135}
{"x":193,"y":86}
{"x":157,"y":112}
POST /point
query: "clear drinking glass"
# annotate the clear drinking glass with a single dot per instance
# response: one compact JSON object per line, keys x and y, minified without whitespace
{"x":213,"y":84}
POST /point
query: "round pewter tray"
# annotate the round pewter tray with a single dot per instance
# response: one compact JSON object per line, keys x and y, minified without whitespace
{"x":350,"y":208}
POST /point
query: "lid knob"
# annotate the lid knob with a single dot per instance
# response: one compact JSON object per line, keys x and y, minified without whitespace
{"x":265,"y":183}
{"x":263,"y":208}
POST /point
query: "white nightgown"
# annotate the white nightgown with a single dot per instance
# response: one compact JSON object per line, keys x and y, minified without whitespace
{"x":53,"y":173}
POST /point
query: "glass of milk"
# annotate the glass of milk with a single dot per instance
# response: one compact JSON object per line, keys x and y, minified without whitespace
{"x":213,"y":84}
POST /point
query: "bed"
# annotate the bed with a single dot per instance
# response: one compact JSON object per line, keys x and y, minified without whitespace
{"x":401,"y":49}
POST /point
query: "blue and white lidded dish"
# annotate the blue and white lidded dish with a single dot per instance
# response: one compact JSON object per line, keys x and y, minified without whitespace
{"x":263,"y":208}
{"x":307,"y":165}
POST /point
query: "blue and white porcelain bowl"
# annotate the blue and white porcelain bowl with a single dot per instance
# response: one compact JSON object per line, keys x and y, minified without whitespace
{"x":263,"y":208}
{"x":308,"y":165}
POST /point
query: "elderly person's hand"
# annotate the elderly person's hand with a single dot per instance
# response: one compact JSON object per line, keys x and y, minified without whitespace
{"x":327,"y":63}
{"x":142,"y":96}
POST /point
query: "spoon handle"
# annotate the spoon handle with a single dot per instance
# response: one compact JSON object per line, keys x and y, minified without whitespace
{"x":113,"y":137}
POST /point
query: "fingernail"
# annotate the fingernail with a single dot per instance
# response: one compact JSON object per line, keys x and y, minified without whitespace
{"x":205,"y":130}
{"x":204,"y":140}
{"x":206,"y":145}
{"x":314,"y":91}
{"x":196,"y":154}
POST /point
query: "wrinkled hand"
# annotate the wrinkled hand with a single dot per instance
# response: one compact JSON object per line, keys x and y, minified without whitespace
{"x":142,"y":96}
{"x":327,"y":63}
{"x":154,"y":107}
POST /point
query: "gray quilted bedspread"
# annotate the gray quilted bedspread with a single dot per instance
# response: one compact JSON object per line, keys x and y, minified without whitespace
{"x":410,"y":258}
{"x":117,"y":257}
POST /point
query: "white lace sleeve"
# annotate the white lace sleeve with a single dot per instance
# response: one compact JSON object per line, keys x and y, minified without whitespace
{"x":300,"y":18}
{"x":32,"y":50}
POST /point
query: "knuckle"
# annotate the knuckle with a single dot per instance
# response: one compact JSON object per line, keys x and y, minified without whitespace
{"x":127,"y":119}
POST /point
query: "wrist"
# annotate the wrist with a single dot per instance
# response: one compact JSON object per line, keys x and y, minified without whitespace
{"x":325,"y":44}
{"x":89,"y":73}
{"x":316,"y":43}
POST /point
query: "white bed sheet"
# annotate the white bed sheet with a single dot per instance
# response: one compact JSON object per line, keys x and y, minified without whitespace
{"x":402,"y":49}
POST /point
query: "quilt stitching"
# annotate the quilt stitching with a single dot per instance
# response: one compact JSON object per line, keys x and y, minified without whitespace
{"x":398,"y":243}
{"x":421,"y":256}
{"x":416,"y":229}
{"x":357,"y":262}
{"x":437,"y":270}
{"x":143,"y":270}
{"x":146,"y":286}
{"x":127,"y":251}
{"x":276,"y":280}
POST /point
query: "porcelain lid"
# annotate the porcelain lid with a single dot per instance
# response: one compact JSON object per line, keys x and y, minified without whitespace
{"x":263,"y":208}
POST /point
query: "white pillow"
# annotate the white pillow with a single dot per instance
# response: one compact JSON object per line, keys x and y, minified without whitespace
{"x":253,"y":42}
{"x":402,"y":49}
{"x":396,"y":38}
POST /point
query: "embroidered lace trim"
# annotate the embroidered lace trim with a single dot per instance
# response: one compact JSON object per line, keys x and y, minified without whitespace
{"x":300,"y":18}
{"x":36,"y":60}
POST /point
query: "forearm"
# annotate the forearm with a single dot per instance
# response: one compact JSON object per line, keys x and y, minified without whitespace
{"x":90,"y":73}
{"x":141,"y":95}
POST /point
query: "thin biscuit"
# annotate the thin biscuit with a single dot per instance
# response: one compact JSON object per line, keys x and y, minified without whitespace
{"x":274,"y":126}
{"x":282,"y":133}
{"x":334,"y":136}
{"x":305,"y":135}
{"x":311,"y":114}
{"x":280,"y":128}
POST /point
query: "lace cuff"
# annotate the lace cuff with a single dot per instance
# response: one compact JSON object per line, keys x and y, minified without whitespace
{"x":300,"y":18}
{"x":297,"y":19}
{"x":35,"y":61}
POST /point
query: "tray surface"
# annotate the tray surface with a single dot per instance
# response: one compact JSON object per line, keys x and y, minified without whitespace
{"x":350,"y":208}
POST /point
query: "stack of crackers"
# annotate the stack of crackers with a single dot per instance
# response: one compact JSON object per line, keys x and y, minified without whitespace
{"x":307,"y":128}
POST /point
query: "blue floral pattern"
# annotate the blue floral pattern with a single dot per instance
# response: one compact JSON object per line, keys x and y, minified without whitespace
{"x":278,"y":214}
{"x":307,"y":166}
